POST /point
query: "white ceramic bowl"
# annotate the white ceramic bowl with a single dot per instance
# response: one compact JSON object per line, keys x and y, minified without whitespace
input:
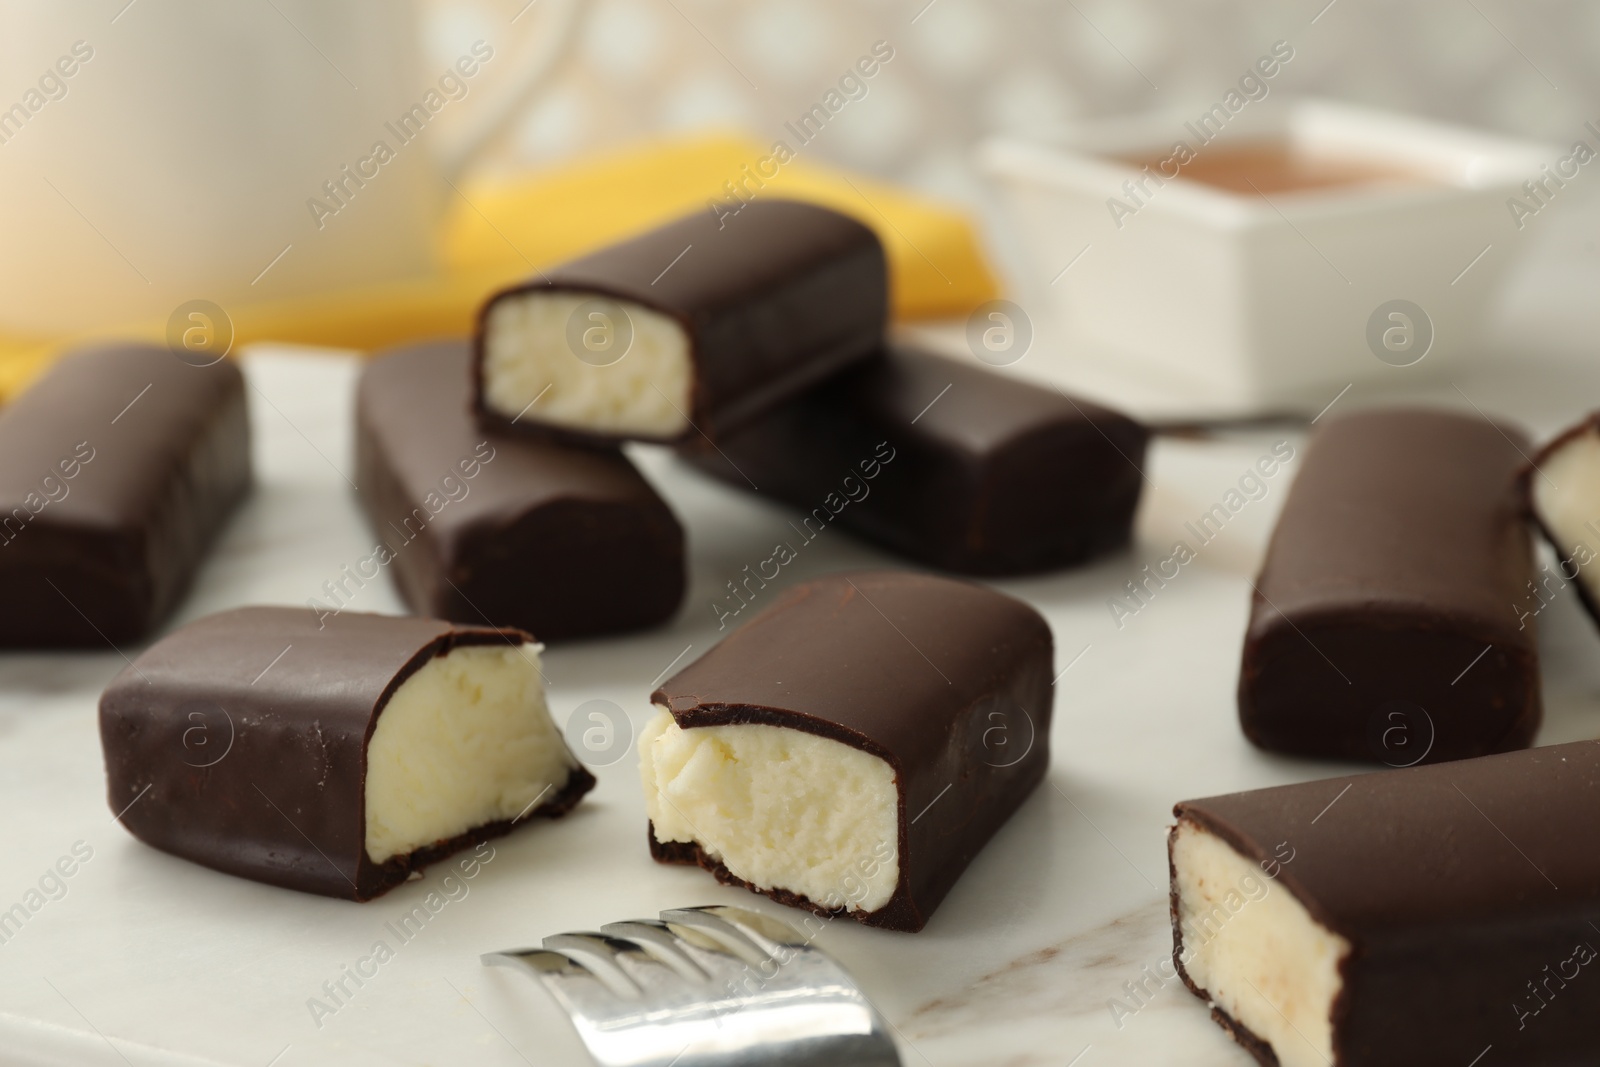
{"x":1250,"y":302}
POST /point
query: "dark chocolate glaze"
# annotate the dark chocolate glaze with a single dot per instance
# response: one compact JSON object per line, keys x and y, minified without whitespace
{"x":560,"y":541}
{"x":1246,"y":1037}
{"x":273,"y":785}
{"x":986,"y":474}
{"x":690,"y":854}
{"x":1456,"y":885}
{"x":1396,"y":564}
{"x":1589,"y":427}
{"x":950,"y":683}
{"x":167,"y":446}
{"x":773,"y":300}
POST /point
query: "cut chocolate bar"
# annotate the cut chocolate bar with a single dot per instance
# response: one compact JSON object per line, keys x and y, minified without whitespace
{"x":332,"y":756}
{"x":1402,"y":917}
{"x":117,"y":470}
{"x":1562,"y":489}
{"x":689,"y":329}
{"x":1383,"y":625}
{"x":950,"y":464}
{"x":851,"y":749}
{"x":479,"y":526}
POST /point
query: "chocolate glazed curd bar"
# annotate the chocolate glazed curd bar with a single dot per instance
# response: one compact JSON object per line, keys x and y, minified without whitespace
{"x":332,"y":757}
{"x":851,"y":749}
{"x":481,"y":526}
{"x":689,"y":329}
{"x":1416,"y":916}
{"x":1562,"y":490}
{"x":1383,"y":624}
{"x":117,"y":470}
{"x":987,"y":474}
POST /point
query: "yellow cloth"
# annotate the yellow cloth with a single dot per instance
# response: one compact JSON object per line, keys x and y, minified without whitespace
{"x":499,"y":230}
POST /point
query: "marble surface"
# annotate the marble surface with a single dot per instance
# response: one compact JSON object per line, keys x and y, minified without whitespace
{"x":147,"y":959}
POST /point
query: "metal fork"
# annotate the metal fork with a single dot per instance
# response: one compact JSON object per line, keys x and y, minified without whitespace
{"x":707,"y":987}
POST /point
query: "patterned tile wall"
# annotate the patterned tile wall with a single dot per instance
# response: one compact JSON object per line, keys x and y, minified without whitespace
{"x":961,"y":69}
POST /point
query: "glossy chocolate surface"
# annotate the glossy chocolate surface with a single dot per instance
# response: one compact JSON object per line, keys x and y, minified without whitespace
{"x":117,"y":470}
{"x":1462,"y":888}
{"x":773,"y":299}
{"x":485,"y":527}
{"x":1387,"y":599}
{"x":946,"y":463}
{"x":239,"y":742}
{"x":948,"y":682}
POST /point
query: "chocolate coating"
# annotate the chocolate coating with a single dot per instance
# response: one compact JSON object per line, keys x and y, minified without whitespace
{"x":273,"y":787}
{"x":1456,"y":886}
{"x":1389,"y":589}
{"x":773,"y":300}
{"x":915,"y":669}
{"x":117,"y":470}
{"x":560,"y":541}
{"x":988,"y":474}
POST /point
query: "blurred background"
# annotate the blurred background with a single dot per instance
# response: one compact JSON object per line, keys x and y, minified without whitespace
{"x":965,"y":69}
{"x":966,"y":72}
{"x":191,"y":158}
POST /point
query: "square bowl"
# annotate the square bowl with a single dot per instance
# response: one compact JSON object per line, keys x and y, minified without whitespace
{"x":1253,"y":301}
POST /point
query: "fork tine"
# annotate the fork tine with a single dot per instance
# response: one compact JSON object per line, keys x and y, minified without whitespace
{"x":722,"y":932}
{"x":598,"y":954}
{"x":770,"y":934}
{"x":659,"y":941}
{"x":536,"y":960}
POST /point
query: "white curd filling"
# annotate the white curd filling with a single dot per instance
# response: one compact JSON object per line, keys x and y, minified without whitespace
{"x":1255,"y":950}
{"x":1566,"y":494}
{"x":780,"y":808}
{"x":587,"y":363}
{"x":466,"y":740}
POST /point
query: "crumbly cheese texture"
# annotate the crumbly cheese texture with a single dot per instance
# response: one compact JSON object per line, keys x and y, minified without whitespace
{"x":1254,"y":949}
{"x":532,"y":343}
{"x":1566,"y":494}
{"x":466,"y":740}
{"x":780,"y":808}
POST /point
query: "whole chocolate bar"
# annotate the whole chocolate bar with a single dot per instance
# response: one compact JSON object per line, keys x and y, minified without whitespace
{"x":1383,"y":625}
{"x":1400,"y":918}
{"x":117,"y":470}
{"x":479,"y":526}
{"x":332,"y":756}
{"x":1562,"y":489}
{"x":688,"y":330}
{"x":947,"y":463}
{"x":851,"y":749}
